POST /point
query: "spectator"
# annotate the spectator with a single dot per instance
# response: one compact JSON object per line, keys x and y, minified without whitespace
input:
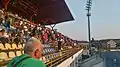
{"x":44,"y":37}
{"x":7,"y":23}
{"x":33,"y":51}
{"x":1,"y":16}
{"x":1,"y":13}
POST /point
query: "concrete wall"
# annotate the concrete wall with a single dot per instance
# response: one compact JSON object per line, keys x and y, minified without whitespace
{"x":101,"y":64}
{"x":90,"y":62}
{"x":105,"y":59}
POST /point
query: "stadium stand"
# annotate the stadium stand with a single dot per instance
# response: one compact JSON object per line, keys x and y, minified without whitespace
{"x":12,"y":40}
{"x":16,"y":30}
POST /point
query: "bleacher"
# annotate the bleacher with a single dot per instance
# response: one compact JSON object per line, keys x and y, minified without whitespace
{"x":51,"y":55}
{"x":9,"y":51}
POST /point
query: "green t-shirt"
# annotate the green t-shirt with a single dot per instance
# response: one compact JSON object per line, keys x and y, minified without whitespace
{"x":28,"y":62}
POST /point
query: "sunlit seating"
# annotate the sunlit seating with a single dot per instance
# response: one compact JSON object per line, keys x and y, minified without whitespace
{"x":3,"y":56}
{"x":18,"y":53}
{"x":2,"y":47}
{"x":14,"y":46}
{"x":11,"y":54}
{"x":20,"y":46}
{"x":8,"y":46}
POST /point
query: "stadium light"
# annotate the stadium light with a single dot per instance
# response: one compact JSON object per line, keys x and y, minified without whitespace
{"x":88,"y":8}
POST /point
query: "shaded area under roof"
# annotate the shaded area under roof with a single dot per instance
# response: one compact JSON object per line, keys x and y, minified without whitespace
{"x":42,"y":11}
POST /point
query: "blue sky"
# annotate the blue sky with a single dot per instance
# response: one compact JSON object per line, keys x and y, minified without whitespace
{"x":105,"y":20}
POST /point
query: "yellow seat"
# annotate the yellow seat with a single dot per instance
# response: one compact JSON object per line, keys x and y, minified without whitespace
{"x":11,"y":54}
{"x":8,"y":46}
{"x":2,"y":47}
{"x":14,"y":46}
{"x":18,"y":53}
{"x":3,"y":56}
{"x":20,"y":46}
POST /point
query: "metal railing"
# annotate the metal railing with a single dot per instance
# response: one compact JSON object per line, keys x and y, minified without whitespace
{"x":51,"y":59}
{"x":64,"y":56}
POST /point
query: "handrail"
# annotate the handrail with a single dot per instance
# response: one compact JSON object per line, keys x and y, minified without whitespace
{"x":61,"y":58}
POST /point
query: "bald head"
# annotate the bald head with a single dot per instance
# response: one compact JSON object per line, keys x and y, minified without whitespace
{"x":33,"y":47}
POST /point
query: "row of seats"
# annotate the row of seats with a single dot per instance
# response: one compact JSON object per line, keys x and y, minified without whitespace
{"x":14,"y":46}
{"x":50,"y":57}
{"x":9,"y":46}
{"x":48,"y":50}
{"x":46,"y":45}
{"x":47,"y":58}
{"x":5,"y":56}
{"x":62,"y":56}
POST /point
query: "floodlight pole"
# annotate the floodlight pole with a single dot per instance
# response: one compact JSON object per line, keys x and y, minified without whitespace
{"x":88,"y":8}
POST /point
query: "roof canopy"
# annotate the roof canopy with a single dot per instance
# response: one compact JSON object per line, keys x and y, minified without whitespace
{"x":42,"y":11}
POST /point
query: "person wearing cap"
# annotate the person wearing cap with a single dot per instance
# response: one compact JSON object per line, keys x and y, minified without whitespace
{"x":33,"y":51}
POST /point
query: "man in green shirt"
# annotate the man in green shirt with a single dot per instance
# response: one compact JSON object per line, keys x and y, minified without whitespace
{"x":33,"y":51}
